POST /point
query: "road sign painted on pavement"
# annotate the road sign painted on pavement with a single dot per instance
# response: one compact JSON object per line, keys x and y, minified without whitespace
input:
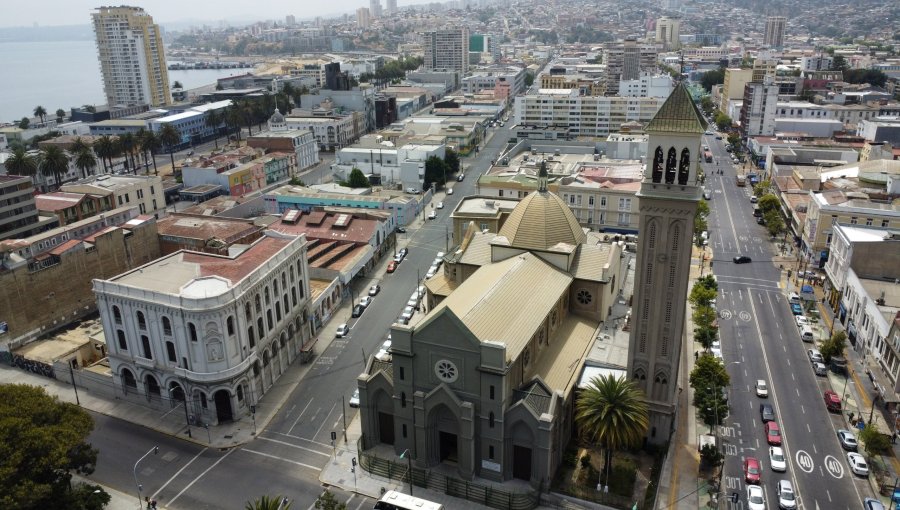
{"x":804,"y":461}
{"x":834,"y":467}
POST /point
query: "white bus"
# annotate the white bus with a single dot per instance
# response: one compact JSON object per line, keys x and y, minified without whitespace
{"x":393,"y":500}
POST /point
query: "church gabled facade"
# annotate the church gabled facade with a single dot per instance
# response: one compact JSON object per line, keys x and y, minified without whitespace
{"x":670,"y":191}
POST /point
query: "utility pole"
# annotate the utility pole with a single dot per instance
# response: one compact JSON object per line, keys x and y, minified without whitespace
{"x":72,"y":374}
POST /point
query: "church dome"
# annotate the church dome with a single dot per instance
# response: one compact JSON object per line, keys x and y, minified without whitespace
{"x":540,"y":221}
{"x":276,"y":118}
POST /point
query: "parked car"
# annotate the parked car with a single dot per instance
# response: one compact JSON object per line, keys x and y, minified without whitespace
{"x":450,"y":190}
{"x":820,"y":369}
{"x":398,"y":258}
{"x":440,"y":205}
{"x":761,"y":389}
{"x":408,"y":313}
{"x":787,"y":500}
{"x":342,"y":331}
{"x":847,"y":440}
{"x":392,"y":266}
{"x":742,"y":259}
{"x":707,"y":195}
{"x":403,"y":252}
{"x":460,"y":177}
{"x":766,"y":413}
{"x":872,"y":504}
{"x":753,"y":199}
{"x":365,"y":301}
{"x":832,"y":401}
{"x":401,"y":230}
{"x":354,"y":400}
{"x":773,"y":433}
{"x":374,"y":290}
{"x":857,"y":464}
{"x":815,"y":356}
{"x":796,"y":309}
{"x":432,"y":215}
{"x":801,"y":321}
{"x":752,"y":470}
{"x":357,"y":311}
{"x":776,"y":459}
{"x":755,"y":498}
{"x":431,"y":271}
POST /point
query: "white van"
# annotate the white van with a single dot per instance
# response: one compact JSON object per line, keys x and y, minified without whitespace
{"x":806,"y":334}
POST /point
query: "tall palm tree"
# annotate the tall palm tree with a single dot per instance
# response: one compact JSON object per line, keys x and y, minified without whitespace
{"x":127,"y":143}
{"x":78,"y":147}
{"x":21,"y":163}
{"x":60,"y":115}
{"x":213,"y":121}
{"x":39,"y":111}
{"x":234,"y":117}
{"x":116,"y":149}
{"x":53,"y":161}
{"x":247,"y":112}
{"x":612,"y":412}
{"x":268,"y":503}
{"x":150,"y":143}
{"x":103,"y":146}
{"x":170,"y":137}
{"x":85,"y":160}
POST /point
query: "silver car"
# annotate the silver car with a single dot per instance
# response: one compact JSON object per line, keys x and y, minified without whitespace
{"x":787,"y":499}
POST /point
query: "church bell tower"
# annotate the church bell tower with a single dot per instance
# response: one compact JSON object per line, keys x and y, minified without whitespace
{"x":668,"y":197}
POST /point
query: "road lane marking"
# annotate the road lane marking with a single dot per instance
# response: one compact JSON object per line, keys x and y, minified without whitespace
{"x":300,"y":416}
{"x":314,"y":468}
{"x":177,"y":473}
{"x":324,"y":445}
{"x":323,"y":421}
{"x":201,"y":475}
{"x":326,"y":455}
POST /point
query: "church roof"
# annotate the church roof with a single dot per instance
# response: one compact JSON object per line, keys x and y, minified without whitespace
{"x":277,"y":117}
{"x":679,"y":114}
{"x":541,"y":220}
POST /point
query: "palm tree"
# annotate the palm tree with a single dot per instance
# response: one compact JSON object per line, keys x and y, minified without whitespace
{"x":60,"y":115}
{"x":612,"y":412}
{"x":268,"y":503}
{"x":170,"y":137}
{"x":78,"y":147}
{"x":213,"y":121}
{"x":233,"y":118}
{"x":103,"y":146}
{"x":150,"y":142}
{"x":85,"y":160}
{"x":53,"y":161}
{"x":39,"y":111}
{"x":127,"y":143}
{"x":21,"y":163}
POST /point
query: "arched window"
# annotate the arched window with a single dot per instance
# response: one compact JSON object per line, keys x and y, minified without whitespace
{"x":250,"y":337}
{"x":684,"y":167}
{"x":292,"y":274}
{"x":676,"y":237}
{"x":294,"y":296}
{"x":269,"y":319}
{"x":128,"y":379}
{"x":141,"y":320}
{"x":167,"y":326}
{"x":240,"y":393}
{"x":671,"y":165}
{"x":259,"y":327}
{"x":192,"y":331}
{"x":275,"y":285}
{"x":268,"y":299}
{"x":152,"y":385}
{"x":117,"y":315}
{"x":658,"y":165}
{"x":258,"y":304}
{"x":283,"y":280}
{"x":247,"y":314}
{"x":287,"y":304}
{"x":229,"y":325}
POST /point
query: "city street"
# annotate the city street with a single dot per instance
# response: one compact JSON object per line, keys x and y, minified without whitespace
{"x":287,"y":456}
{"x":760,"y":340}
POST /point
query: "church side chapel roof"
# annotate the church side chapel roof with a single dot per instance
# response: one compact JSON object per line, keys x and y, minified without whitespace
{"x":679,"y":114}
{"x":542,"y":220}
{"x":501,"y":303}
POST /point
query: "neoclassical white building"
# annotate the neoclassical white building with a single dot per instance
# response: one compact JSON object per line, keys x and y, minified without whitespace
{"x":218,"y":328}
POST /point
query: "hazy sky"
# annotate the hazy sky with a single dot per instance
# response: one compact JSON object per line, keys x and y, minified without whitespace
{"x":77,"y":12}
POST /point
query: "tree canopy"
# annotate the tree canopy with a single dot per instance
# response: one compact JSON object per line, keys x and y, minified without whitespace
{"x":42,"y":443}
{"x":451,"y":158}
{"x":327,"y":501}
{"x":435,"y":172}
{"x":357,"y":179}
{"x":712,"y":78}
{"x":709,"y":380}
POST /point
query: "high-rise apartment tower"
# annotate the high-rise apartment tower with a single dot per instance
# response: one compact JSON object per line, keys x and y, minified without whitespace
{"x":775,"y":31}
{"x":447,"y":49}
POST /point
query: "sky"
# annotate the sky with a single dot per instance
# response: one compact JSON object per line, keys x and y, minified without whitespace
{"x":78,"y":12}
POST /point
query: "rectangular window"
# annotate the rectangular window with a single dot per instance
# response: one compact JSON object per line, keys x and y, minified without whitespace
{"x":602,"y":201}
{"x":853,"y":220}
{"x":492,"y":392}
{"x":401,"y":373}
{"x":869,"y":222}
{"x":591,"y":201}
{"x":170,"y":352}
{"x":404,"y":430}
{"x":884,"y":223}
{"x":490,"y":451}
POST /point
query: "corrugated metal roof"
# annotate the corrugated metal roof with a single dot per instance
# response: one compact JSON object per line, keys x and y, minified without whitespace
{"x":542,"y":220}
{"x":678,"y":114}
{"x":560,"y":364}
{"x":478,"y":252}
{"x":501,"y":303}
{"x":590,"y":261}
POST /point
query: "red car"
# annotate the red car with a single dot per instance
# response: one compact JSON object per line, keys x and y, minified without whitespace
{"x":392,"y":266}
{"x":752,"y":471}
{"x":832,"y":401}
{"x":773,"y":433}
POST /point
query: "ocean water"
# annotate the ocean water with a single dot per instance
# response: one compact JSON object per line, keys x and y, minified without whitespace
{"x":63,"y":74}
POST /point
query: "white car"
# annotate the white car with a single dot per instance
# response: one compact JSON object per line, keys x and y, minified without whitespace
{"x":857,"y":464}
{"x":407,"y":313}
{"x":761,"y":389}
{"x":755,"y":498}
{"x":383,"y":355}
{"x":386,"y":346}
{"x":365,"y":301}
{"x":354,"y":400}
{"x":440,"y":205}
{"x":431,"y":271}
{"x":450,"y":191}
{"x":801,"y":321}
{"x":342,"y":331}
{"x":787,"y":499}
{"x":432,"y":215}
{"x":776,"y":459}
{"x":440,"y":254}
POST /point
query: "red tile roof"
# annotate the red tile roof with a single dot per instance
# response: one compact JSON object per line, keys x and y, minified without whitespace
{"x":321,"y":225}
{"x":238,"y":268}
{"x":64,"y":247}
{"x":58,"y":201}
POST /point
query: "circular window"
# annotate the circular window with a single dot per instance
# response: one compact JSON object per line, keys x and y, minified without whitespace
{"x":584,"y":297}
{"x":446,"y":371}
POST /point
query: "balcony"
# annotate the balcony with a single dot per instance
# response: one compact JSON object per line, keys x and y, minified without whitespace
{"x":213,"y":377}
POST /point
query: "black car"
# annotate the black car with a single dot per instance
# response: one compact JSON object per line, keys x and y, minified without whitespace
{"x":766,"y":412}
{"x":742,"y":259}
{"x":357,"y":311}
{"x":401,"y":230}
{"x":760,"y":221}
{"x":403,"y":252}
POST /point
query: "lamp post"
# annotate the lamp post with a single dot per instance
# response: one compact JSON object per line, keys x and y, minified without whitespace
{"x":406,"y":455}
{"x":187,"y":418}
{"x":140,"y":487}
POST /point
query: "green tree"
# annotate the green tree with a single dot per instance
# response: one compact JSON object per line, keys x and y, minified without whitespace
{"x":53,"y":161}
{"x":762,"y":188}
{"x":24,"y":123}
{"x":233,"y":119}
{"x":451,"y":158}
{"x":42,"y":444}
{"x":876,"y":442}
{"x":60,"y":115}
{"x":213,"y":121}
{"x":774,"y":223}
{"x":613,"y":413}
{"x":40,"y":112}
{"x":150,"y":143}
{"x":706,"y":104}
{"x":435,"y":172}
{"x":21,"y":163}
{"x":711,"y":455}
{"x":103,"y":146}
{"x":769,"y":202}
{"x":529,"y":79}
{"x":269,"y":503}
{"x":712,"y":78}
{"x":839,"y":63}
{"x":357,"y":179}
{"x":126,"y":141}
{"x":327,"y":501}
{"x":701,"y":295}
{"x":834,"y":347}
{"x":734,"y":139}
{"x":177,"y":85}
{"x":170,"y":137}
{"x":723,"y":122}
{"x":709,"y":379}
{"x":85,"y":161}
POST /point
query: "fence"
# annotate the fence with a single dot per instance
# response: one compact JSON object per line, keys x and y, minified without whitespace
{"x":475,"y":492}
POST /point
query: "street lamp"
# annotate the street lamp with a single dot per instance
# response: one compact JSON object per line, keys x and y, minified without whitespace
{"x":140,"y":487}
{"x":406,"y":455}
{"x":187,"y":418}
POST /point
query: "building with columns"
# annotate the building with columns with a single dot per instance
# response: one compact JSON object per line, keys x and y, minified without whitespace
{"x":668,"y":197}
{"x":220,"y":329}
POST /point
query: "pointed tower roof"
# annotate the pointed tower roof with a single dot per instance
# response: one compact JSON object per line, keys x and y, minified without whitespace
{"x":679,"y":114}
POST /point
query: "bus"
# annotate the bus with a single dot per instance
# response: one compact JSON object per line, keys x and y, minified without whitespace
{"x":741,"y":180}
{"x":708,"y":156}
{"x":393,"y":500}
